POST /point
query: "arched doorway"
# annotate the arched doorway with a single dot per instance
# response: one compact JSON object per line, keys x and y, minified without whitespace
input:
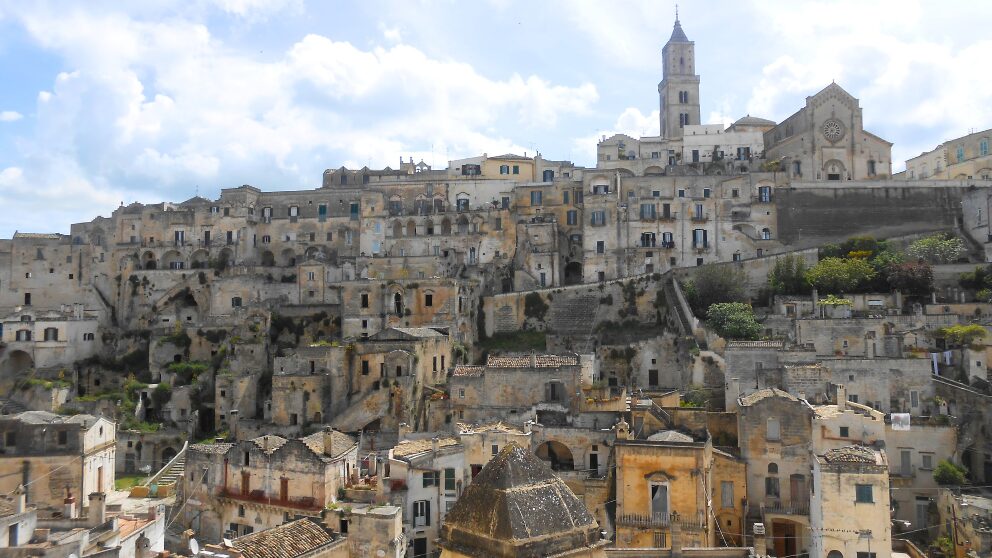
{"x":149,"y":261}
{"x":557,"y":454}
{"x":268,"y":258}
{"x":13,"y":368}
{"x":167,"y":455}
{"x":573,"y":273}
{"x":398,"y":304}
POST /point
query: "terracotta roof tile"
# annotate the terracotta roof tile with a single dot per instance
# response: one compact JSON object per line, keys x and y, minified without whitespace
{"x":286,"y":541}
{"x":340,"y":443}
{"x":752,"y":398}
{"x":852,"y":454}
{"x":468,"y":371}
{"x":408,"y":448}
{"x":531,"y":361}
{"x":755,"y":344}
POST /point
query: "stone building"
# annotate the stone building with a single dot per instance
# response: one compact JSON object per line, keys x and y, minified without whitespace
{"x":826,"y":140}
{"x":257,"y":484}
{"x":517,"y":508}
{"x":966,"y":158}
{"x":518,"y":388}
{"x":46,"y":340}
{"x":54,"y":455}
{"x":775,"y":435}
{"x":674,"y":482}
{"x":296,"y":539}
{"x":850,"y":503}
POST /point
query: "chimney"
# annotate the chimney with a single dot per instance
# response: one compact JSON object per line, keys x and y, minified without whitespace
{"x":623,"y":430}
{"x":435,"y":444}
{"x":676,"y":529}
{"x":98,"y":508}
{"x":233,"y":418}
{"x":20,"y":499}
{"x":142,"y":547}
{"x":533,"y":360}
{"x":404,"y":431}
{"x":841,"y":397}
{"x":759,"y":540}
{"x":328,"y":441}
{"x":69,"y":505}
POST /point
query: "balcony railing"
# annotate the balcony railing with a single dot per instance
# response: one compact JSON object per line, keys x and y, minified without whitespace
{"x":786,"y":508}
{"x":661,"y":521}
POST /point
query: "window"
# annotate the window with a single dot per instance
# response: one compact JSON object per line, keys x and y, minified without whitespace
{"x":236,"y":302}
{"x":535,"y":197}
{"x":706,"y":192}
{"x":505,"y":202}
{"x":681,"y":193}
{"x":773,"y":430}
{"x":51,"y":334}
{"x":365,"y":300}
{"x":927,"y":461}
{"x":598,"y":218}
{"x":572,"y":217}
{"x":735,"y":193}
{"x":23,"y":335}
{"x":294,"y":211}
{"x":600,"y":247}
{"x":648,"y":211}
{"x":871,"y":168}
{"x":449,"y":480}
{"x":772,"y":487}
{"x":422,"y":513}
{"x":63,"y":437}
{"x":659,"y":500}
{"x":863,"y":494}
{"x":845,"y":431}
{"x":495,"y":450}
{"x":311,"y":275}
{"x":428,"y":300}
{"x":430,"y":478}
{"x":960,"y":154}
{"x":504,"y":169}
{"x":983,"y":148}
{"x":866,"y":555}
{"x":365,"y":368}
{"x":516,"y":169}
{"x":726,"y":494}
{"x":266,"y":239}
{"x":10,"y":439}
{"x":914,"y":398}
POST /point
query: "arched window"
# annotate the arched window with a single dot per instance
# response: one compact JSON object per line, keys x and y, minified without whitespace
{"x":773,"y":468}
{"x":398,"y":304}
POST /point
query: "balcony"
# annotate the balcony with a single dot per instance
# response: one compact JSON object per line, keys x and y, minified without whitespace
{"x":785,"y":508}
{"x":701,"y":246}
{"x":671,"y":216}
{"x":304,"y":503}
{"x":661,"y":521}
{"x":700,"y":217}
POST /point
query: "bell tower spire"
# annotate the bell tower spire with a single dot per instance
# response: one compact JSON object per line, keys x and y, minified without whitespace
{"x":678,"y":92}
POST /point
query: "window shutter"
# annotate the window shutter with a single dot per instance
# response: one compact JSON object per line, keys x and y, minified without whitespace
{"x":427,"y":513}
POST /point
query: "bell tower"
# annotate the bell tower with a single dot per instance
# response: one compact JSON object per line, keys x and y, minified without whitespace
{"x":678,"y":92}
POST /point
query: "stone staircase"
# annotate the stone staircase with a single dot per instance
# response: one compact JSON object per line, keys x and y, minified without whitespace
{"x":574,"y":316}
{"x":363,"y":411}
{"x":11,"y":407}
{"x":172,"y":472}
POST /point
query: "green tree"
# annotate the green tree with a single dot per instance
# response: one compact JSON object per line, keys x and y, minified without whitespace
{"x":911,"y":278}
{"x":733,"y":320}
{"x":962,"y":334}
{"x":949,"y":474}
{"x":788,"y":276}
{"x":839,"y":275}
{"x":937,"y":248}
{"x":714,"y":284}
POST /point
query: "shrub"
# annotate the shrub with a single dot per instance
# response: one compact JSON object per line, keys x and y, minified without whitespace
{"x":962,"y":334}
{"x":733,"y":320}
{"x":937,"y":248}
{"x":911,"y":278}
{"x":713,"y":285}
{"x":947,"y":474}
{"x":838,"y":275}
{"x":788,"y":276}
{"x":534,"y":306}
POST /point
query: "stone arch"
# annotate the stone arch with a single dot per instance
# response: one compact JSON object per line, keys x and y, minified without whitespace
{"x":268,"y":258}
{"x":226,"y":257}
{"x":462,"y":225}
{"x":397,"y":301}
{"x":429,"y":227}
{"x":834,"y":170}
{"x":396,"y":228}
{"x":168,"y":453}
{"x":148,"y":260}
{"x":173,"y":260}
{"x":983,"y":172}
{"x":199,"y":259}
{"x":313,"y":253}
{"x":16,"y":364}
{"x":557,"y":454}
{"x":287,"y":258}
{"x":654,"y":171}
{"x":446,"y":226}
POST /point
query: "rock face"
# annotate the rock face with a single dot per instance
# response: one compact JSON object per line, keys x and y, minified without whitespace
{"x":517,"y":507}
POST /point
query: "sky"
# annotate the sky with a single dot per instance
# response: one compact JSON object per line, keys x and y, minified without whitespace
{"x":104,"y":102}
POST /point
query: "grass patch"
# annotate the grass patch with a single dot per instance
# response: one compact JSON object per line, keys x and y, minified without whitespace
{"x":125,"y":482}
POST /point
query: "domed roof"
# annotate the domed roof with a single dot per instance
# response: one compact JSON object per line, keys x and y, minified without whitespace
{"x":753,"y":121}
{"x":517,"y":507}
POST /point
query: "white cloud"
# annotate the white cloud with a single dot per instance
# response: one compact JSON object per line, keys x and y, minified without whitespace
{"x":153,"y":107}
{"x":10,"y":116}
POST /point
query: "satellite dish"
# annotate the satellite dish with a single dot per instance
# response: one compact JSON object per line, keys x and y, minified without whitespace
{"x":194,"y":547}
{"x":380,"y":553}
